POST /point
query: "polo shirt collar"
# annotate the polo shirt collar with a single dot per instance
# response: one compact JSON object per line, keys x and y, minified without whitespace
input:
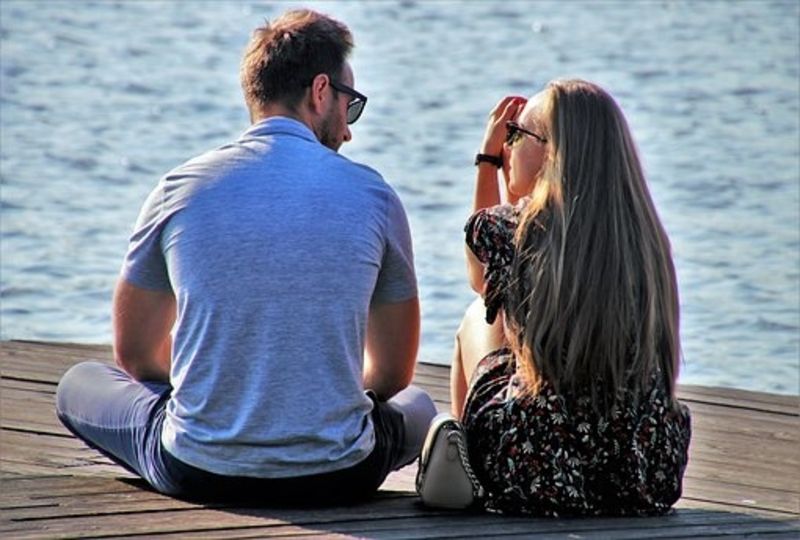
{"x":283,"y":125}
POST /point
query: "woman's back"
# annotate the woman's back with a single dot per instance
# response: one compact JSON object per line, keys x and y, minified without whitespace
{"x":576,"y":415}
{"x":554,"y":453}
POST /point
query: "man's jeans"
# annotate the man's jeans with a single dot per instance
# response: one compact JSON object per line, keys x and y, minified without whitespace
{"x":122,"y":418}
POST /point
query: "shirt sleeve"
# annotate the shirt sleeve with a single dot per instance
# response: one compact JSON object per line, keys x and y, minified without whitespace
{"x":397,"y":280}
{"x":145,"y":265}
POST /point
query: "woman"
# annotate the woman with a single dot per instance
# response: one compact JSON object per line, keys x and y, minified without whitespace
{"x":572,"y":353}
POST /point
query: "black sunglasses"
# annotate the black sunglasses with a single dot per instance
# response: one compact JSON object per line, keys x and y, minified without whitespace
{"x":515,"y":132}
{"x":356,"y":105}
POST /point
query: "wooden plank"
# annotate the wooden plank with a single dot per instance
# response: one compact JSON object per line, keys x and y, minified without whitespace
{"x":88,"y":462}
{"x":20,"y":492}
{"x":55,"y":351}
{"x":414,"y":523}
{"x":746,"y":417}
{"x":737,"y":495}
{"x":63,"y":353}
{"x":507,"y":529}
{"x":97,"y":502}
{"x":690,"y":504}
{"x":718,"y":444}
{"x":428,"y":528}
{"x":30,"y":396}
{"x":11,"y":440}
{"x":772,"y":477}
{"x":193,"y":518}
{"x":94,"y":501}
{"x":776,"y":428}
{"x":425,"y":528}
{"x":104,"y":505}
{"x":45,"y":362}
{"x":48,"y":445}
{"x":781,"y":403}
{"x":49,"y":468}
{"x":78,"y":491}
{"x":37,"y":387}
{"x":50,"y":487}
{"x":108,"y":504}
{"x":33,"y":424}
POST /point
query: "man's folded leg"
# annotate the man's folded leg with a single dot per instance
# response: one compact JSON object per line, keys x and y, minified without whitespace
{"x":403,"y":422}
{"x":118,"y":416}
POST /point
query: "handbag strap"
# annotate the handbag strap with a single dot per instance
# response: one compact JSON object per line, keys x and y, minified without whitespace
{"x":456,"y":432}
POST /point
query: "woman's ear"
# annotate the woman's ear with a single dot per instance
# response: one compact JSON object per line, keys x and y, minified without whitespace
{"x":318,"y":94}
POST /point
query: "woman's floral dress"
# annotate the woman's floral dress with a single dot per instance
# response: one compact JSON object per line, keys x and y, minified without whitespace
{"x":552,"y":454}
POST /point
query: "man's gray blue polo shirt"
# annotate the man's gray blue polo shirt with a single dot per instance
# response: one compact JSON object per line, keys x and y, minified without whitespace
{"x":274,"y":246}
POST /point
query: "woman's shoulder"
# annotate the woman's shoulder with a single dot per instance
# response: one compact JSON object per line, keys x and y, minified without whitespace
{"x":505,"y":211}
{"x":502,"y":219}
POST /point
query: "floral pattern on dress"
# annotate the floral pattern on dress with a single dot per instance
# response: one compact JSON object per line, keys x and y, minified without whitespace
{"x":552,"y":454}
{"x":490,"y":236}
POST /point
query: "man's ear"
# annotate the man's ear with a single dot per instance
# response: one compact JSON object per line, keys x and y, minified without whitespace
{"x":318,"y":94}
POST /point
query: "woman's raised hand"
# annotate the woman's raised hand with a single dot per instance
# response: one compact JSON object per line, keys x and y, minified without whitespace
{"x":506,"y":109}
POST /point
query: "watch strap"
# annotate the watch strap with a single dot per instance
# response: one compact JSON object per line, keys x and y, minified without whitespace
{"x":497,"y":161}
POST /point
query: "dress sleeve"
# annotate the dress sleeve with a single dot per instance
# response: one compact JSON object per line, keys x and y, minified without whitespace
{"x":490,"y":236}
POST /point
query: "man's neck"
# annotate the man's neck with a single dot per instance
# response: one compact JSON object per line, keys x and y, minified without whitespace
{"x":280,"y":110}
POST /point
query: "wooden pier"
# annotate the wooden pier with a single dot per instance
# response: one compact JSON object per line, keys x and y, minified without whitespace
{"x":743,"y":477}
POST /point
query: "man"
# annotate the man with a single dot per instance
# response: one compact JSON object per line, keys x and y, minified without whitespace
{"x":284,"y":273}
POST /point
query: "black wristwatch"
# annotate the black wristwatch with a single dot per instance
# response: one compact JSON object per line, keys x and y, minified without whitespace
{"x":497,"y":161}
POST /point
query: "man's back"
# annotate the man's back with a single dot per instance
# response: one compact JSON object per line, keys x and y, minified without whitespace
{"x":275,"y":245}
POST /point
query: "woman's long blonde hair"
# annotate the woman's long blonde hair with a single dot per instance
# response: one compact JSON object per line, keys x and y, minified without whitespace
{"x":593,"y":301}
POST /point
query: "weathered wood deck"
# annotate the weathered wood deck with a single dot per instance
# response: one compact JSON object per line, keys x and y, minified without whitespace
{"x":743,"y":478}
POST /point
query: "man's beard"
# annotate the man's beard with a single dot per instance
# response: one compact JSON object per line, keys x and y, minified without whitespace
{"x":326,"y":132}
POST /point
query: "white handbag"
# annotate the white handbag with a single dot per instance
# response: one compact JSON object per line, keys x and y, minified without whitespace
{"x":445,"y":478}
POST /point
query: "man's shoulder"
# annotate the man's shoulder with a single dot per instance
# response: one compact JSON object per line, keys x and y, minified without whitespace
{"x":204,"y":159}
{"x":347,"y":170}
{"x":345,"y":165}
{"x":209,"y":166}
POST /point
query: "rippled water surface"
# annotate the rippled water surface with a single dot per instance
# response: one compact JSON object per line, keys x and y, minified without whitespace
{"x":101,"y":98}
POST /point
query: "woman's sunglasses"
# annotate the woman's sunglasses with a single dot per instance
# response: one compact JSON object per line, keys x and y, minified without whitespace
{"x":356,"y":105}
{"x":515,"y":132}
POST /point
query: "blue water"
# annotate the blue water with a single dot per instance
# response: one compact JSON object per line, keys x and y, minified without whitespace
{"x":100,"y":98}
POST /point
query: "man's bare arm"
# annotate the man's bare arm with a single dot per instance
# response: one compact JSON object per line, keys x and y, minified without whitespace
{"x":391,"y":348}
{"x":143,"y":320}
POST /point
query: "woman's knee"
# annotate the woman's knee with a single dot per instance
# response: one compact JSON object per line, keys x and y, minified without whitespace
{"x":475,"y":314}
{"x":475,"y":331}
{"x":476,"y":338}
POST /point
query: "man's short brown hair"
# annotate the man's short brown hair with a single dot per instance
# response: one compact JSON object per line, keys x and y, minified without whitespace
{"x":284,"y":57}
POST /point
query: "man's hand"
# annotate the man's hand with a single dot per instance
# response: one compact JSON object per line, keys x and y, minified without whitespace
{"x":391,"y":348}
{"x":143,"y":320}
